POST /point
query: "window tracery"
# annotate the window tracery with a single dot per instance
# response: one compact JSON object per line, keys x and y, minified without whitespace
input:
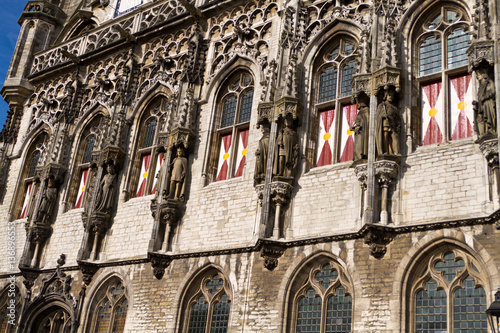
{"x":322,"y":301}
{"x":209,"y":306}
{"x":7,"y":313}
{"x":448,"y":295}
{"x":110,"y":310}
{"x":442,"y":41}
{"x":235,"y":101}
{"x":335,"y":68}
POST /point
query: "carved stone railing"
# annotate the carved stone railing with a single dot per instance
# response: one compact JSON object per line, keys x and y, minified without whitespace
{"x":119,"y":28}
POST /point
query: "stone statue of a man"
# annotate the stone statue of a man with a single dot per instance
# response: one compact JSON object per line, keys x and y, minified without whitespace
{"x":387,"y":126}
{"x":178,"y":175}
{"x":360,"y":129}
{"x":261,"y":155}
{"x":485,"y":112}
{"x":48,"y":202}
{"x":107,"y":190}
{"x":286,"y":151}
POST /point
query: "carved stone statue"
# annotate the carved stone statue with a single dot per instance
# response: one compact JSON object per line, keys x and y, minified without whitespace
{"x":484,"y":108}
{"x":106,"y":191}
{"x":387,"y":126}
{"x":261,"y":155}
{"x":48,"y":202}
{"x":178,"y":175}
{"x":360,"y":129}
{"x":286,"y":153}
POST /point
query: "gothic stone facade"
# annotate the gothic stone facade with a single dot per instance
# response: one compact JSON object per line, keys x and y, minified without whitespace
{"x":251,"y":166}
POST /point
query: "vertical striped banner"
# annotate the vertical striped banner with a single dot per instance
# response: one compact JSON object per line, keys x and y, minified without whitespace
{"x":143,"y":177}
{"x":325,"y":138}
{"x":241,"y":158}
{"x":461,"y":112}
{"x":432,"y":113}
{"x":159,"y":161}
{"x":347,"y":139}
{"x":81,"y":188}
{"x":224,"y":153}
{"x":26,"y":201}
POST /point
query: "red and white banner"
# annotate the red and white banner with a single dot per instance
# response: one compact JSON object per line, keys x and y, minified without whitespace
{"x":26,"y":201}
{"x":81,"y":188}
{"x":224,"y":153}
{"x":325,"y":138}
{"x":347,"y":137}
{"x":432,"y":113}
{"x":241,"y":158}
{"x":143,"y":177}
{"x":159,"y":161}
{"x":461,"y":112}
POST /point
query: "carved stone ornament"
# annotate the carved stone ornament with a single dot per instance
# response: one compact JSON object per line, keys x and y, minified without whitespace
{"x":386,"y":77}
{"x":181,"y":137}
{"x":159,"y":262}
{"x":265,"y":112}
{"x":479,"y":51}
{"x":361,"y":83}
{"x":113,"y":155}
{"x":99,"y":222}
{"x":260,"y":192}
{"x":288,"y":105}
{"x":170,"y":212}
{"x":386,"y":169}
{"x":163,"y":141}
{"x":58,"y":283}
{"x":377,"y":237}
{"x":361,"y":171}
{"x":88,"y":270}
{"x":40,"y":233}
{"x":280,"y":192}
{"x":489,"y":148}
{"x":271,"y":251}
{"x":30,"y":275}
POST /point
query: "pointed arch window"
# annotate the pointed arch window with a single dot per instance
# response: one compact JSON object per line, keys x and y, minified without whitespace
{"x":235,"y":104}
{"x":208,"y":305}
{"x":29,"y":185}
{"x":448,"y":295}
{"x":110,"y":309}
{"x":332,"y":94}
{"x":8,"y":323}
{"x":321,"y":300}
{"x":446,"y":90}
{"x":148,"y":157}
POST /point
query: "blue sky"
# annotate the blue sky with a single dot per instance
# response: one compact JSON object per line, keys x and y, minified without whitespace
{"x":10,"y":11}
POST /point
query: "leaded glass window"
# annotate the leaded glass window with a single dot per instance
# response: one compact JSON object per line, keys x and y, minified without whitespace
{"x":148,"y":157}
{"x":110,"y":311}
{"x":332,"y":138}
{"x":442,"y":39}
{"x":323,"y":301}
{"x":209,"y":308}
{"x":84,"y":158}
{"x":450,"y":282}
{"x":235,"y":112}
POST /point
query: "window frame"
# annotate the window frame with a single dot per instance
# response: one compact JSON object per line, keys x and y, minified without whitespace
{"x":424,"y":272}
{"x":237,"y":127}
{"x":443,"y":31}
{"x":104,"y":294}
{"x":338,"y":103}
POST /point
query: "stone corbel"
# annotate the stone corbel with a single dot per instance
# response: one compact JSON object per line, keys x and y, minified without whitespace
{"x":88,"y":270}
{"x":181,"y":137}
{"x":159,"y":262}
{"x":489,"y":148}
{"x":280,"y":196}
{"x":29,"y":275}
{"x":377,"y":237}
{"x":112,"y":154}
{"x":361,"y":83}
{"x":265,"y":113}
{"x":271,"y":251}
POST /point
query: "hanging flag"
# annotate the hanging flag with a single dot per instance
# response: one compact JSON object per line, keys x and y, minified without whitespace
{"x":143,"y":177}
{"x":325,"y":138}
{"x":224,"y":153}
{"x":81,"y":188}
{"x":159,"y":161}
{"x":432,"y":113}
{"x":347,"y":138}
{"x":461,"y":107}
{"x":26,"y":201}
{"x":241,"y":158}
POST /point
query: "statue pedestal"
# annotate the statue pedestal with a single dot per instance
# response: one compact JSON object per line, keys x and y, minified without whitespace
{"x":488,"y":145}
{"x":386,"y":171}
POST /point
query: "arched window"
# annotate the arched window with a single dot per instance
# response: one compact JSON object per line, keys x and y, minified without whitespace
{"x":447,"y":294}
{"x":321,"y":299}
{"x":28,"y":186}
{"x":335,"y":67}
{"x":109,"y":309}
{"x":235,"y":110}
{"x":148,"y":159}
{"x":442,"y":39}
{"x":89,"y":142}
{"x":207,"y":305}
{"x":9,"y":311}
